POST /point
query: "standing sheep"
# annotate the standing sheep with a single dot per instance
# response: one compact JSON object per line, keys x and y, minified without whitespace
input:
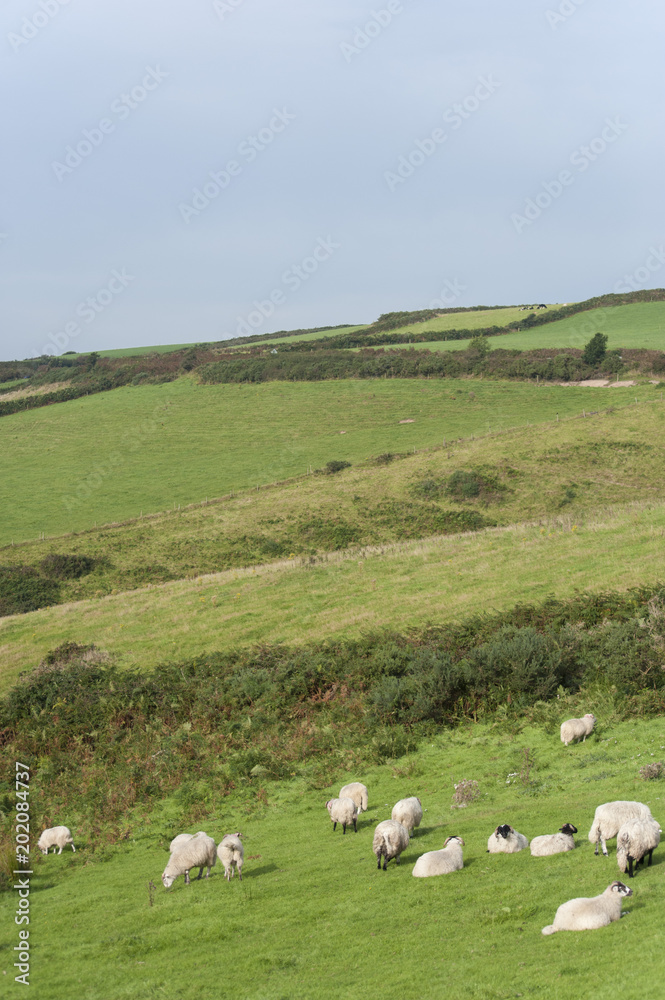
{"x":198,"y":851}
{"x":343,"y":811}
{"x":357,"y":792}
{"x":586,"y":913}
{"x":183,"y":838}
{"x":441,"y":862}
{"x":408,"y":812}
{"x":505,"y":840}
{"x":554,"y":843}
{"x":390,"y":839}
{"x":231,"y":853}
{"x":576,"y":729}
{"x":56,"y":836}
{"x":610,"y":817}
{"x":636,"y":839}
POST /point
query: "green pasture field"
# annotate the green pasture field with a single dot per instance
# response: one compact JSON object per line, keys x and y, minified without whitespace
{"x":357,"y":591}
{"x":314,"y":918}
{"x":317,"y":335}
{"x":112,"y":455}
{"x":126,"y":352}
{"x":568,"y":467}
{"x":641,"y":325}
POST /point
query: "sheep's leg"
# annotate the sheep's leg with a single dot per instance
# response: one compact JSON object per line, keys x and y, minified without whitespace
{"x":200,"y":874}
{"x":60,"y":851}
{"x":334,"y":826}
{"x":604,"y":846}
{"x":385,"y":862}
{"x":187,"y":877}
{"x":74,"y":849}
{"x":343,"y":828}
{"x":379,"y":860}
{"x":650,"y":857}
{"x":355,"y":826}
{"x":208,"y":872}
{"x":630,"y":866}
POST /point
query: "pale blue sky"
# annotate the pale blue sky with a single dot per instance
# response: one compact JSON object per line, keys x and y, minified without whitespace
{"x":339,"y":97}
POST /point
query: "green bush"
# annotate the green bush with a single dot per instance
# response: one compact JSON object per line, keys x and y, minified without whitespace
{"x":24,"y":589}
{"x":335,"y":466}
{"x":60,"y":566}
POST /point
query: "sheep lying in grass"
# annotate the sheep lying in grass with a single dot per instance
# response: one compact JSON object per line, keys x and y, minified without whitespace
{"x":610,"y":817}
{"x":182,"y":838}
{"x":636,"y":839}
{"x":441,"y":862}
{"x":343,"y":811}
{"x":231,"y":853}
{"x":357,"y":792}
{"x":408,"y":812}
{"x":554,"y":843}
{"x":591,"y":912}
{"x":56,"y":836}
{"x":505,"y":840}
{"x":577,"y":729}
{"x":390,"y":839}
{"x":197,"y":852}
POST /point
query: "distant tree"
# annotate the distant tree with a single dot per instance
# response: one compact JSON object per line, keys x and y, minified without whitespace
{"x":595,"y":350}
{"x":480,"y":347}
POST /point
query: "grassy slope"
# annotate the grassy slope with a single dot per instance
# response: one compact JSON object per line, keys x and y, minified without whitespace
{"x":317,"y":335}
{"x":436,"y":580}
{"x":639,"y":325}
{"x":126,"y":352}
{"x":313,"y":918}
{"x":570,"y":465}
{"x":108,"y":456}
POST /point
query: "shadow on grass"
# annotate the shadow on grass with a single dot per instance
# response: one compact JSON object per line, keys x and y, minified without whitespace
{"x":255,"y":872}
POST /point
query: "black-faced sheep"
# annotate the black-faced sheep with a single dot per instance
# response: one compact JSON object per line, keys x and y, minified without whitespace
{"x":587,"y":913}
{"x":554,"y":843}
{"x":505,"y":840}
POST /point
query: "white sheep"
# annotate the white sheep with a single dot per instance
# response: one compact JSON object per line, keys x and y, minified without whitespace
{"x":231,"y":853}
{"x":610,"y":817}
{"x":182,"y":838}
{"x":441,"y":862}
{"x":636,"y":839}
{"x":343,"y":811}
{"x":505,"y":840}
{"x":390,"y":839}
{"x":554,"y":843}
{"x":357,"y":792}
{"x":577,"y":729}
{"x":56,"y":836}
{"x":197,"y":852}
{"x":586,"y":913}
{"x":408,"y":812}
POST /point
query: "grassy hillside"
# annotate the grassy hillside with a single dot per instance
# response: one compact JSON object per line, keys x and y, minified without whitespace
{"x":147,"y":448}
{"x":313,"y":918}
{"x":351,"y":593}
{"x":571,"y":466}
{"x":632,"y":326}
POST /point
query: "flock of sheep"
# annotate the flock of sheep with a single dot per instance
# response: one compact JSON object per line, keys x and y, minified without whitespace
{"x":637,"y":833}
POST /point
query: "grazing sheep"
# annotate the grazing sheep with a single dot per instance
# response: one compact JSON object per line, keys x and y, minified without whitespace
{"x":357,"y":792}
{"x":408,"y":812}
{"x":57,"y":836}
{"x":343,"y":811}
{"x":441,"y":862}
{"x":554,"y":843}
{"x":586,"y":913}
{"x":505,"y":840}
{"x":576,"y":729}
{"x":390,"y":839}
{"x":198,"y":851}
{"x":610,"y":817}
{"x":231,"y":853}
{"x":636,"y":839}
{"x":182,"y":838}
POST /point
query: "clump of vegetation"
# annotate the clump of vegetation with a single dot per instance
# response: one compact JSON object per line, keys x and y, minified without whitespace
{"x":650,"y":772}
{"x":331,"y":468}
{"x":24,"y":589}
{"x":595,"y":350}
{"x":474,"y":484}
{"x":466,"y":791}
{"x":63,"y":566}
{"x":385,"y":458}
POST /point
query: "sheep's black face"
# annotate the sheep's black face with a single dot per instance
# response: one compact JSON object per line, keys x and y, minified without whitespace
{"x":568,"y":828}
{"x":622,"y":889}
{"x":503,"y":831}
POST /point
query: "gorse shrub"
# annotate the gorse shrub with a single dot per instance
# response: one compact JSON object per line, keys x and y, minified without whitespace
{"x":62,"y":566}
{"x":23,"y":589}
